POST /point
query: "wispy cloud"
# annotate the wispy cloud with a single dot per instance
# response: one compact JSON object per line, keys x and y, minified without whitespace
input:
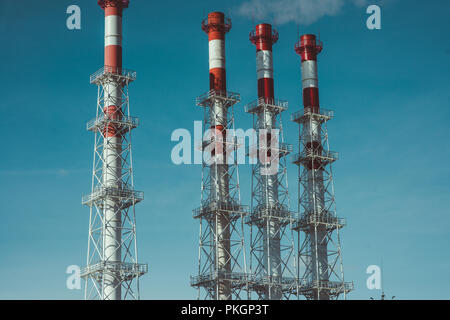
{"x":299,"y":11}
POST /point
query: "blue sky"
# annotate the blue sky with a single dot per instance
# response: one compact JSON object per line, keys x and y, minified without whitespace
{"x":389,"y":89}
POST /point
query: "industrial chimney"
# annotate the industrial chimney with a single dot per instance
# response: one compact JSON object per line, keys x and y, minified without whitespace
{"x":112,"y":271}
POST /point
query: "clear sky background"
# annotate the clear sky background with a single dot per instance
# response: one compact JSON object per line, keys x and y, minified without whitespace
{"x":390,"y":90}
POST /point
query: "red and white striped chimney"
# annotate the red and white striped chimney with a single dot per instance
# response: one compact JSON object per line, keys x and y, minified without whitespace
{"x":112,"y":149}
{"x":216,"y":26}
{"x":113,"y":56}
{"x":308,"y":48}
{"x":263,"y":37}
{"x":113,"y":32}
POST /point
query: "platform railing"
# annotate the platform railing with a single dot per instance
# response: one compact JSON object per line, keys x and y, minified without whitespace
{"x":259,"y":103}
{"x":307,"y":155}
{"x":100,"y":121}
{"x":118,"y":71}
{"x":122,"y":267}
{"x":309,"y":111}
{"x":102,"y":192}
{"x":232,"y":97}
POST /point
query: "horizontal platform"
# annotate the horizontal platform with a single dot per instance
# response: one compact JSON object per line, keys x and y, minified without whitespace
{"x":272,"y":105}
{"x":260,"y":283}
{"x":125,"y":196}
{"x":283,"y":150}
{"x":307,"y":156}
{"x":209,"y":280}
{"x":307,"y":113}
{"x":334,"y":288}
{"x":126,"y":271}
{"x":99,"y":123}
{"x":261,"y":214}
{"x":307,"y":221}
{"x":226,"y":97}
{"x":107,"y":73}
{"x":209,"y":209}
{"x":231,"y":143}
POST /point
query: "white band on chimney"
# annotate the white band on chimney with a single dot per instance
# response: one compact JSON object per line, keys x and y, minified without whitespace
{"x":113,"y":31}
{"x":309,"y":74}
{"x":264,"y":64}
{"x":216,"y":54}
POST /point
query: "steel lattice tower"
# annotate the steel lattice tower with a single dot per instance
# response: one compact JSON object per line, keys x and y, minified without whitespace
{"x":221,"y":265}
{"x":321,"y":274}
{"x":112,"y":271}
{"x":272,"y":253}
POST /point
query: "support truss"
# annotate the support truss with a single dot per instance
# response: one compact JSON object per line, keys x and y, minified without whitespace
{"x":113,"y":192}
{"x":272,"y":250}
{"x":320,"y":273}
{"x":221,"y":265}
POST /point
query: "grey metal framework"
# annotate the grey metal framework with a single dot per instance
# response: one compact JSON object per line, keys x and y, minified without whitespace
{"x":221,"y":265}
{"x":112,"y":270}
{"x":272,"y":248}
{"x":320,"y":266}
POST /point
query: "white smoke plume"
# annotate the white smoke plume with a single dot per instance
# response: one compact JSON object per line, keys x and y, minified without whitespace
{"x":299,"y":11}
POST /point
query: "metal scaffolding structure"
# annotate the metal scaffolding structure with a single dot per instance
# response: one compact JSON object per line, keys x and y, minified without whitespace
{"x":221,"y":265}
{"x":112,"y":263}
{"x":112,"y":271}
{"x":320,"y":273}
{"x":272,"y":248}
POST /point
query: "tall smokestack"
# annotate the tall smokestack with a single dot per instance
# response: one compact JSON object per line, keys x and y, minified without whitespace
{"x":113,"y":145}
{"x":216,"y":28}
{"x":308,"y":49}
{"x":112,"y":252}
{"x":263,"y":38}
{"x":320,"y":254}
{"x":221,"y":236}
{"x":271,"y":241}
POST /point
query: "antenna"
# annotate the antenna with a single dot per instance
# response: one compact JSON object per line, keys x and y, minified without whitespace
{"x":383,"y":295}
{"x":382,"y":281}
